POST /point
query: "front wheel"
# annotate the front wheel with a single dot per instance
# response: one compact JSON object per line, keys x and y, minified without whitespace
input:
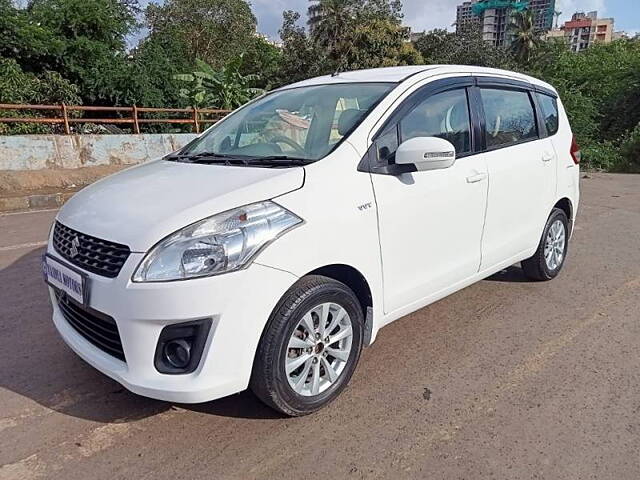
{"x":549,"y":258}
{"x":310,"y":347}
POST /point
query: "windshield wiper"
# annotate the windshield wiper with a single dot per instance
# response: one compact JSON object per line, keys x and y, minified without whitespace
{"x":210,"y":157}
{"x":279,"y":160}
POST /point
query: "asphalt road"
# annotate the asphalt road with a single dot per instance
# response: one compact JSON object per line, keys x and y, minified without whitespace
{"x":505,"y":379}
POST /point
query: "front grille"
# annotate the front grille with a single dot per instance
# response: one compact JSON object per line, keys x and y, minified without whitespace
{"x":90,"y":253}
{"x":99,"y":329}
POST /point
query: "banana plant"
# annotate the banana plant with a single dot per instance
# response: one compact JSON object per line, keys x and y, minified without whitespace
{"x":226,"y":88}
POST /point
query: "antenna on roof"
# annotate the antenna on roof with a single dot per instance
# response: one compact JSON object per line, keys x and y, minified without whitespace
{"x":339,"y":68}
{"x":342,"y":63}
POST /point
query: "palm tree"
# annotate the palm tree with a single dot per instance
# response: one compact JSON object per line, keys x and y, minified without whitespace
{"x":328,"y":22}
{"x":525,"y":38}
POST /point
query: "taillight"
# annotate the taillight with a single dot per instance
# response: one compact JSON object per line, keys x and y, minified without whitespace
{"x":575,"y":151}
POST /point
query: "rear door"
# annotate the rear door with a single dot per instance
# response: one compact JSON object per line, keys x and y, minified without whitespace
{"x":522,"y":170}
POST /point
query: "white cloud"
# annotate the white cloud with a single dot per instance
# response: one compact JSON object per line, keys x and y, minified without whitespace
{"x":429,"y":14}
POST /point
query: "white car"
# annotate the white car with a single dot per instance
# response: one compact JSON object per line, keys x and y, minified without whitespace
{"x":271,"y":249}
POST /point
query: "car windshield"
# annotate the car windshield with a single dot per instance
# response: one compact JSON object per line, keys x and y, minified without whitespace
{"x":302,"y":124}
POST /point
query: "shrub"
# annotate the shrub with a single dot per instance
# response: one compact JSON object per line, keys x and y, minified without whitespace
{"x":17,"y":86}
{"x":601,"y":156}
{"x":631,"y":151}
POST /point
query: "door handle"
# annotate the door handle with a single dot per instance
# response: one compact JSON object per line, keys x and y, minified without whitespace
{"x":478,"y":177}
{"x":547,"y":157}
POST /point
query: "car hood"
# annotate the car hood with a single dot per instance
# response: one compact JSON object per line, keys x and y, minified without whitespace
{"x":141,"y":205}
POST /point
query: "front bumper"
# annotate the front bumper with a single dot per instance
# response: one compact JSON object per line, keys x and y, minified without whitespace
{"x":238,"y":303}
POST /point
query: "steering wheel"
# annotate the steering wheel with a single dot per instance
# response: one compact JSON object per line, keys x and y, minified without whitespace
{"x":292,"y":143}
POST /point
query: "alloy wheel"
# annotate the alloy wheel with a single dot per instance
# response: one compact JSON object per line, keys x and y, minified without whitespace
{"x":319,"y":349}
{"x":554,"y":245}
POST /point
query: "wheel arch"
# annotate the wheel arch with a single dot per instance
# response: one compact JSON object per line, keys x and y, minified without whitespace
{"x":357,"y":282}
{"x":352,"y":278}
{"x":566,"y":206}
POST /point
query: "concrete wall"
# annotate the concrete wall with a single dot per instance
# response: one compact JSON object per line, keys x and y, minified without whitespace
{"x":39,"y":152}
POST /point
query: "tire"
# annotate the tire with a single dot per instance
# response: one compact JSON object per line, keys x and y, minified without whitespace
{"x":542,"y":266}
{"x":295,"y":392}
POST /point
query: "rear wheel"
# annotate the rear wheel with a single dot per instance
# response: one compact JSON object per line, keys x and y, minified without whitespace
{"x":549,"y":258}
{"x":310,"y":347}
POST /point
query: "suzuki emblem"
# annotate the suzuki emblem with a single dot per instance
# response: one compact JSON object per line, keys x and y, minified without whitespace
{"x":75,"y":245}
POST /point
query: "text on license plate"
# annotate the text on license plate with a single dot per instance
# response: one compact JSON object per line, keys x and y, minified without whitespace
{"x":62,"y":277}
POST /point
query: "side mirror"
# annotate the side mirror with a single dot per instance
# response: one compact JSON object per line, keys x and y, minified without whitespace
{"x":426,"y":153}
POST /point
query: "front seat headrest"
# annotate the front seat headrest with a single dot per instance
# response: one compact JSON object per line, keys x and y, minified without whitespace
{"x":348,"y":119}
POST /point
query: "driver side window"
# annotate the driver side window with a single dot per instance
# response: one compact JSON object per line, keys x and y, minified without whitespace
{"x":444,"y":115}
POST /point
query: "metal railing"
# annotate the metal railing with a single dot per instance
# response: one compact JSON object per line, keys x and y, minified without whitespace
{"x":196,"y":117}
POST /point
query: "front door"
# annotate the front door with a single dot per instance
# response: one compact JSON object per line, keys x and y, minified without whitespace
{"x":430,"y":222}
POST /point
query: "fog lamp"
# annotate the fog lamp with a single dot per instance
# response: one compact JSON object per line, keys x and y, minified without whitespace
{"x":180,"y":346}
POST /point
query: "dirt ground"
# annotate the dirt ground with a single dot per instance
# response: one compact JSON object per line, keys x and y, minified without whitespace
{"x":506,"y":379}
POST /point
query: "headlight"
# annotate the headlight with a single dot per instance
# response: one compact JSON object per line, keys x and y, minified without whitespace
{"x":219,"y":244}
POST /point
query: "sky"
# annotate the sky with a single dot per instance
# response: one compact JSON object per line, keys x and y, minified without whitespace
{"x":428,"y":14}
{"x":423,"y":15}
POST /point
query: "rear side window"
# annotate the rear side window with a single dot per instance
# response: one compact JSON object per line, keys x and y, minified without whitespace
{"x":444,"y":115}
{"x":509,"y":115}
{"x":549,"y":108}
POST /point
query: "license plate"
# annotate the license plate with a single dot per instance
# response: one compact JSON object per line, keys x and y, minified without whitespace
{"x":65,"y":278}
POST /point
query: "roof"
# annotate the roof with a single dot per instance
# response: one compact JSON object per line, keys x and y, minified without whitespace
{"x":419,"y":72}
{"x":386,"y":74}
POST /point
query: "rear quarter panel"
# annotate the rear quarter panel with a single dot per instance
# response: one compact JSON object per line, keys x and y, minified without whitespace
{"x":568,"y":171}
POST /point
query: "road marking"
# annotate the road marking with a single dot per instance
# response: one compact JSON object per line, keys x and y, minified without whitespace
{"x":9,"y":214}
{"x":23,"y":245}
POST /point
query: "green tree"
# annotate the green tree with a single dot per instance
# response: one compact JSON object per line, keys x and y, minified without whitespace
{"x":262,"y":59}
{"x":345,"y":35}
{"x":464,"y":47}
{"x":17,"y":86}
{"x":152,"y":65}
{"x":525,"y":38}
{"x":32,"y":45}
{"x":102,"y":21}
{"x":215,"y":31}
{"x":85,"y":42}
{"x":330,"y":22}
{"x":82,"y":40}
{"x":631,"y":151}
{"x":600,"y":88}
{"x":226,"y":88}
{"x":301,"y":57}
{"x":379,"y":42}
{"x":345,"y":29}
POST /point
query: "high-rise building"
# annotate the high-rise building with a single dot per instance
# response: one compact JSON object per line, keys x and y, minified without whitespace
{"x":465,"y":15}
{"x":544,"y":11}
{"x":494,"y":16}
{"x":584,"y":30}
